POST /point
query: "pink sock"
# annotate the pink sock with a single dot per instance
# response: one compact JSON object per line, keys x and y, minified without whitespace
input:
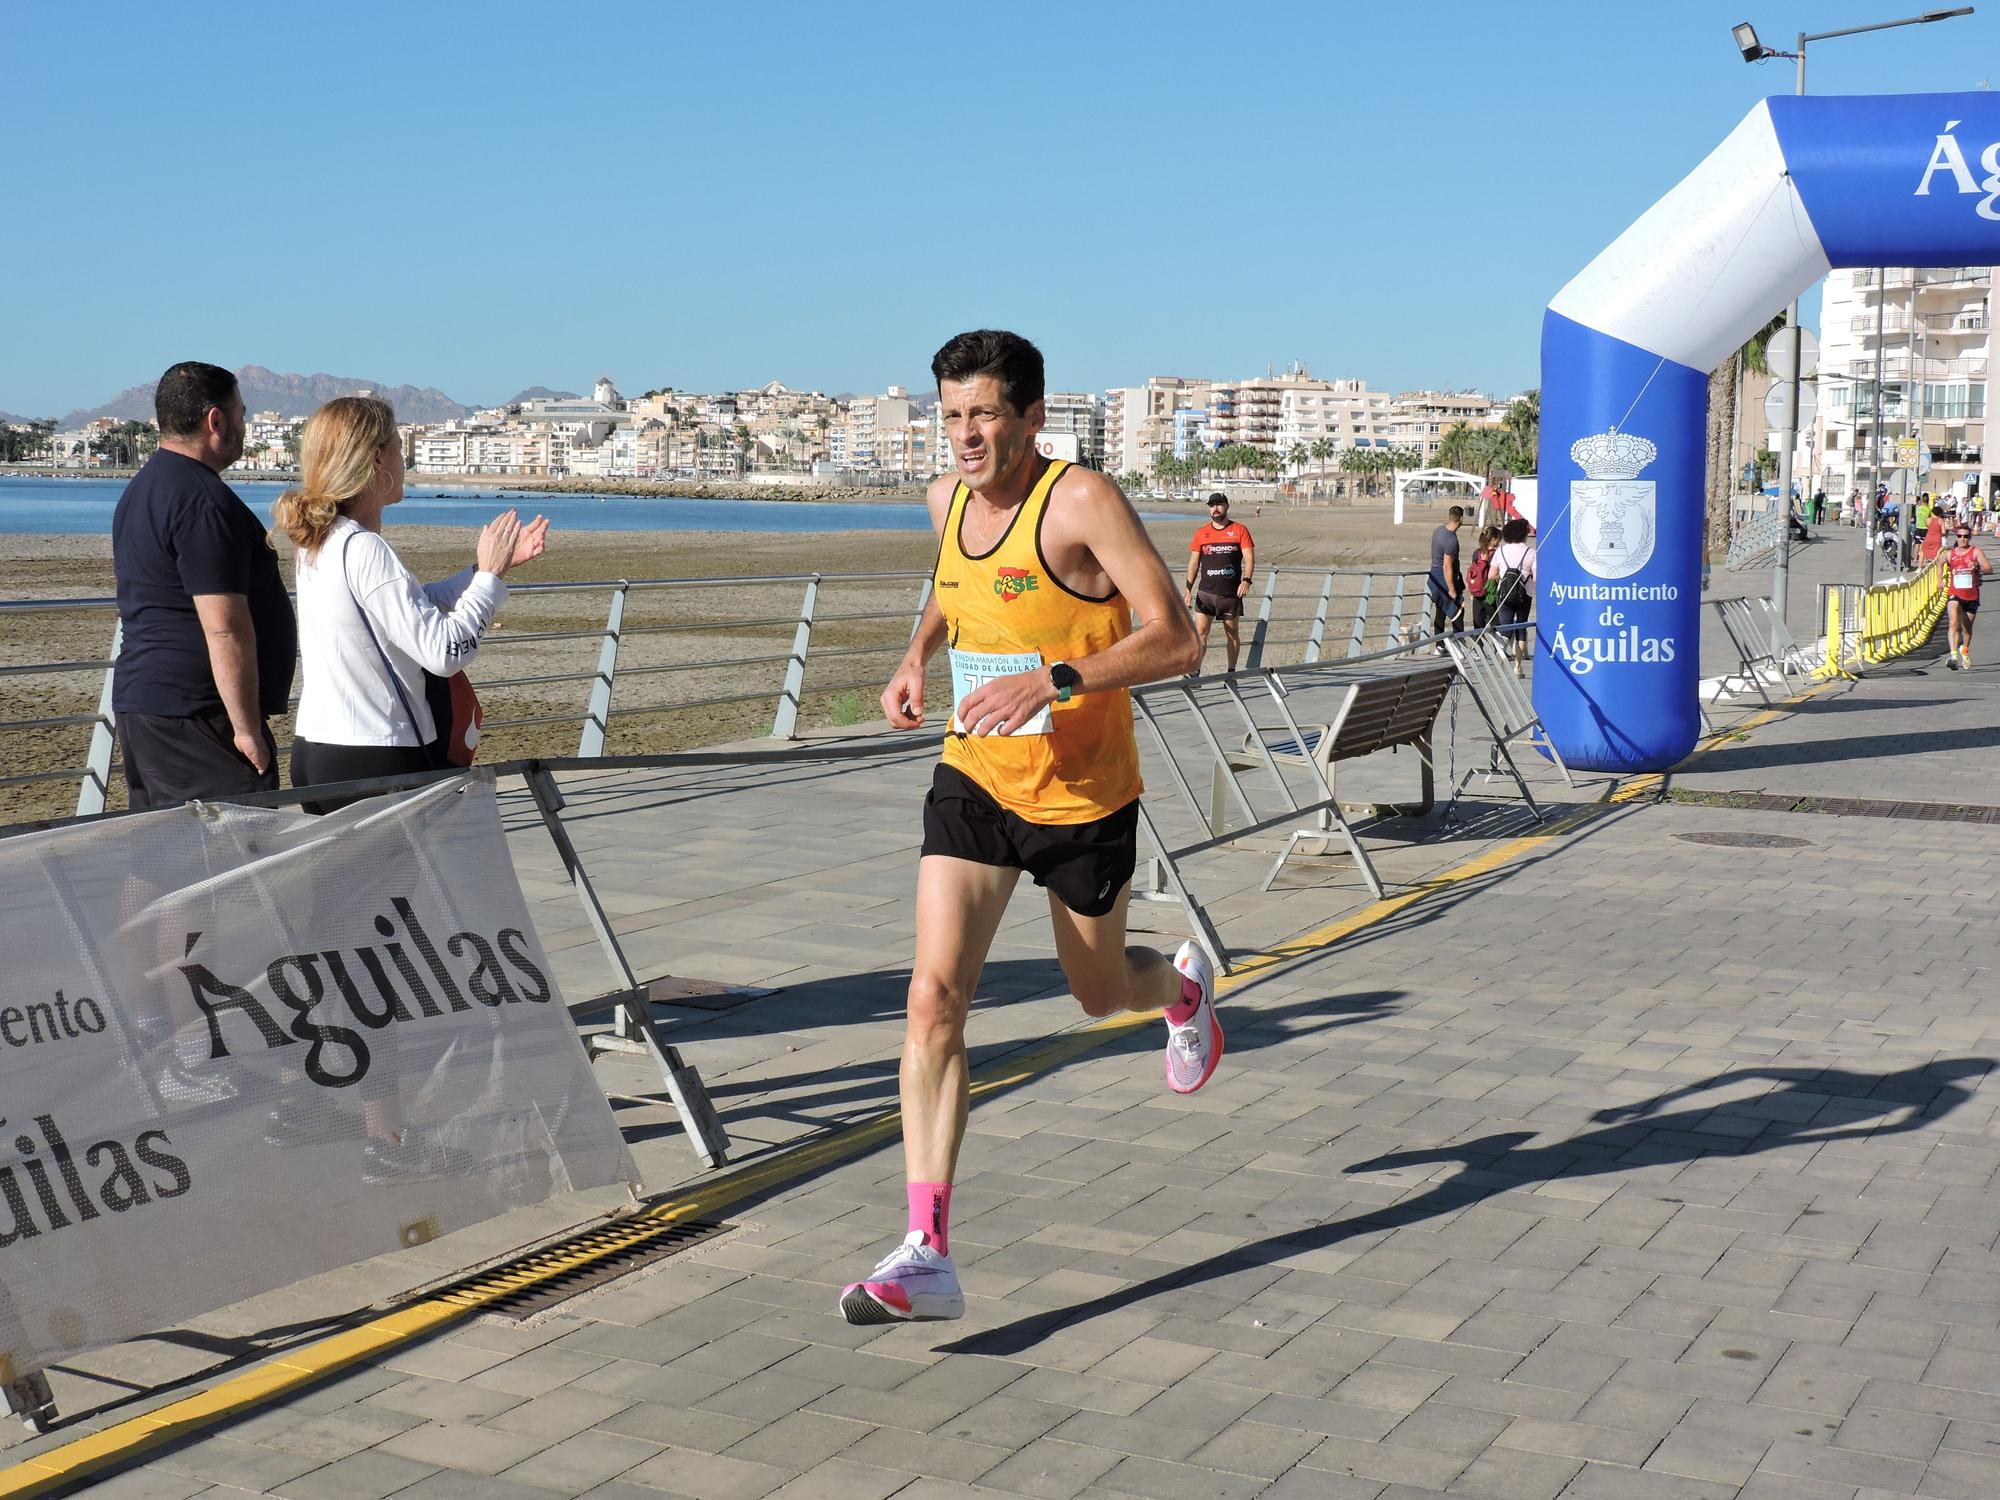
{"x":1190,"y":998}
{"x":930,"y":1211}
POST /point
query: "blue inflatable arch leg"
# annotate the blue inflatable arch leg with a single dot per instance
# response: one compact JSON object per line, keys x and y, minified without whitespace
{"x":1800,"y":187}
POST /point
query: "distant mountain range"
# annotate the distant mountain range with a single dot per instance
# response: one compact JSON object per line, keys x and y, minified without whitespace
{"x":301,"y":395}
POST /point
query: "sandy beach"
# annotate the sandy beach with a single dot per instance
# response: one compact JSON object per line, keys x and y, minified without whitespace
{"x":662,"y":661}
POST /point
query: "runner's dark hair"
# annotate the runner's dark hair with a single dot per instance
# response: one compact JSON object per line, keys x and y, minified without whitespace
{"x":1011,"y":359}
{"x":185,"y":394}
{"x":1514,"y":532}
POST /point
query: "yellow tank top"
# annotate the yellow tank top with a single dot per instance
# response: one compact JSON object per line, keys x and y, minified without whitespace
{"x":1007,"y":604}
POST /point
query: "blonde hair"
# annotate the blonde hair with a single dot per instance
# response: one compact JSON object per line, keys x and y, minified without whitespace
{"x":336,"y":463}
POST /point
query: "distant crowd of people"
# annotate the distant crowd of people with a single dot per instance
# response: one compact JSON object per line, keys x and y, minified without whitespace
{"x":1495,"y":591}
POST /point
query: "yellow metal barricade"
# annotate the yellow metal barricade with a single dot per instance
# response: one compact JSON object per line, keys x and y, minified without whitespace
{"x":1892,"y":619}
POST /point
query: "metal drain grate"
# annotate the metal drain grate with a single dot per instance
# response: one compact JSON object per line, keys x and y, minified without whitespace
{"x":1745,"y":840}
{"x":519,"y":1289}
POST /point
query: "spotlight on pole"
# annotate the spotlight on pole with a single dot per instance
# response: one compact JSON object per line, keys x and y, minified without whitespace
{"x":1746,"y":41}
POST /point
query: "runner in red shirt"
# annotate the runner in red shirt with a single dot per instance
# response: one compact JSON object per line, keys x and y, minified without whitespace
{"x":1219,"y":568}
{"x":1965,"y":563}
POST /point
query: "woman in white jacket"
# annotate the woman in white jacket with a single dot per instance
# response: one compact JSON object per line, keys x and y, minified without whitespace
{"x":368,"y":631}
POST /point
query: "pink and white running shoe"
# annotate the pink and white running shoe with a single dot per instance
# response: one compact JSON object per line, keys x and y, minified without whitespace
{"x":1194,"y":1046}
{"x":911,"y":1282}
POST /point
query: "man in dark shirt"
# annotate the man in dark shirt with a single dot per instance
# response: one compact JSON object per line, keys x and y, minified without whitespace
{"x":1447,"y":580}
{"x":208,"y":637}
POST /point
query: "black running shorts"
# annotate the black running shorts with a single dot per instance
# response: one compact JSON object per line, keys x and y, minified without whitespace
{"x":1219,"y":606}
{"x":1083,"y":865}
{"x":1968,"y":606}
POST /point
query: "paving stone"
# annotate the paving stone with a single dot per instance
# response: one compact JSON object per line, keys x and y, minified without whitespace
{"x":147,"y":1484}
{"x":1046,"y":1469}
{"x":1155,"y":1479}
{"x":680,"y":1427}
{"x":843,"y":1479}
{"x":708,"y":1476}
{"x":799,"y":1440}
{"x":1511,"y":1474}
{"x":581,"y":1462}
{"x":916,"y":1453}
{"x":224,"y":1460}
{"x":359,"y":1476}
{"x":455,"y":1445}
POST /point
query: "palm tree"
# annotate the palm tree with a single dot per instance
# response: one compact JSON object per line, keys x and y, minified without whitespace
{"x":1458,"y":448}
{"x":1725,"y":389}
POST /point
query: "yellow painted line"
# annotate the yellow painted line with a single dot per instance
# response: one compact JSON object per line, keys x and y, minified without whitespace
{"x":298,"y":1368}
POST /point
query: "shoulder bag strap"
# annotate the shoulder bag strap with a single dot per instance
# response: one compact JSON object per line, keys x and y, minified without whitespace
{"x":387,"y":666}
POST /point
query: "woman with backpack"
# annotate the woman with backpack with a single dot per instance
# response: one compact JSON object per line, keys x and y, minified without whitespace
{"x":1510,"y":588}
{"x":1476,"y":574}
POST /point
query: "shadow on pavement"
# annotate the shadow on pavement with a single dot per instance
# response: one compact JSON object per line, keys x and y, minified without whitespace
{"x":1856,"y":748}
{"x":874,"y":1083}
{"x":1809,"y":1106}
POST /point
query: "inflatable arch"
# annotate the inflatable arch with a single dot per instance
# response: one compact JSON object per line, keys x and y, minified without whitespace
{"x":1802,"y":186}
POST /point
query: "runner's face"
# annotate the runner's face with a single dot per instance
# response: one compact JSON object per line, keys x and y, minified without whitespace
{"x":994,"y":444}
{"x":1218,"y":516}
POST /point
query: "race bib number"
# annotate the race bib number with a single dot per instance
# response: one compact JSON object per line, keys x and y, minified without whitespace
{"x":1962,"y":579}
{"x":974,"y":669}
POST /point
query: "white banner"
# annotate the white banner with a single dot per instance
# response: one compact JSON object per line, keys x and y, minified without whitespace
{"x":241,"y":1046}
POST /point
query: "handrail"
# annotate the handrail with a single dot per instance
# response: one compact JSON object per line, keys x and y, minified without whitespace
{"x":1345,"y":610}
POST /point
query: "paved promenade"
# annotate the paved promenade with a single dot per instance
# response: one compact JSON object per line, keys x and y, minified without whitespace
{"x":1647,"y":1154}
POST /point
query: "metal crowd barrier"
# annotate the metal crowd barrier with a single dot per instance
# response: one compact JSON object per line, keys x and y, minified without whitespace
{"x":1306,"y":613}
{"x":1867,"y":626}
{"x":1765,"y":648}
{"x":1375,"y":701}
{"x":1485,"y":660}
{"x":1755,"y":542}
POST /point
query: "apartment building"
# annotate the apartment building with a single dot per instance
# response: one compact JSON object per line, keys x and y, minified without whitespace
{"x":1139,"y":420}
{"x":1281,"y":413}
{"x":1080,"y":414}
{"x":1933,"y":330}
{"x":1418,"y":420}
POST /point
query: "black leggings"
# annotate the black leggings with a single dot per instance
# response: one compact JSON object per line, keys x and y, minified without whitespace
{"x":316,"y":765}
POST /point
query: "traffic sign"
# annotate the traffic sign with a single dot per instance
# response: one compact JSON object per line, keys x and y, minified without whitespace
{"x":1774,"y":405}
{"x":1778,"y":353}
{"x":1909,"y":453}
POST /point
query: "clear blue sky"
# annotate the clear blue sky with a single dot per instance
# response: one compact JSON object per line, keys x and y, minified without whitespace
{"x":485,"y":197}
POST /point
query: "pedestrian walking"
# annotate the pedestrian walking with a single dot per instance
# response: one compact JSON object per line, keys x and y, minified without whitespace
{"x":1446,"y":580}
{"x":1479,"y":572}
{"x":1221,"y":561}
{"x":1512,"y":587}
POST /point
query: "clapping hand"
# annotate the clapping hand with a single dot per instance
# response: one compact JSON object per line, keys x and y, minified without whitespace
{"x":532,"y":542}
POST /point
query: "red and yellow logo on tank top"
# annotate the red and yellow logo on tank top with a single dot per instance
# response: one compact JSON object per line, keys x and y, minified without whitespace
{"x":1012,"y":583}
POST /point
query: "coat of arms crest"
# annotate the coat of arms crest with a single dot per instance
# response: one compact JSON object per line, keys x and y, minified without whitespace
{"x":1611,"y":514}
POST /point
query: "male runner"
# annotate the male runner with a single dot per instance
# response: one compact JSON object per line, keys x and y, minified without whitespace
{"x":1220,"y":561}
{"x":1966,"y":564}
{"x":1041,"y":565}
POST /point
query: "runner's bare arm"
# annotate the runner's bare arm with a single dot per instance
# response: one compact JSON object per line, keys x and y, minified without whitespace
{"x":903,"y":698}
{"x":1249,"y":568}
{"x":1194,"y":566}
{"x":1094,"y":541}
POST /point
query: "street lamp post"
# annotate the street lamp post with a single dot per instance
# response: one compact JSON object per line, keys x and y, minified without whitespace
{"x":1755,"y":51}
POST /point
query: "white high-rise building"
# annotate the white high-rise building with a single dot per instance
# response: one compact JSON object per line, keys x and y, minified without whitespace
{"x":1282,"y":413}
{"x":1936,"y":345}
{"x":1139,"y":420}
{"x":1081,"y":414}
